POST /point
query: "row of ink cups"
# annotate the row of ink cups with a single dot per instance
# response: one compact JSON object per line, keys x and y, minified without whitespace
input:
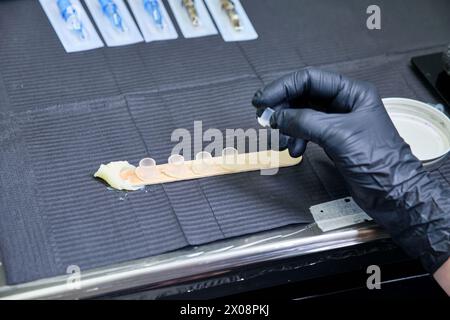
{"x":203,"y":165}
{"x":117,"y":27}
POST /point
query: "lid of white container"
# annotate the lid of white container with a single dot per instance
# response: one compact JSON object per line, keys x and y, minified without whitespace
{"x":424,"y":128}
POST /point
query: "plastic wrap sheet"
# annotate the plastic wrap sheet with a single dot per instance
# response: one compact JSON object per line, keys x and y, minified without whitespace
{"x":61,"y":115}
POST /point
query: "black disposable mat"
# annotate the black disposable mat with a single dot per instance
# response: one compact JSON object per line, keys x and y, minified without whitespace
{"x":61,"y":115}
{"x":38,"y":72}
{"x":292,"y":34}
{"x":55,"y":214}
{"x":322,"y":32}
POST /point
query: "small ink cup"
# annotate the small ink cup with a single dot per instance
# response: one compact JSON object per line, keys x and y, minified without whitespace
{"x":147,"y":169}
{"x":176,"y":166}
{"x":230,"y":158}
{"x":203,"y":163}
{"x":264,"y":119}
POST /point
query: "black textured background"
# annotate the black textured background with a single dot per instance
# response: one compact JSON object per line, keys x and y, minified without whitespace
{"x":61,"y":115}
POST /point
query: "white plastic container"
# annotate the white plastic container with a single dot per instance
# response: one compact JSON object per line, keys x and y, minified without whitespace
{"x":424,"y":128}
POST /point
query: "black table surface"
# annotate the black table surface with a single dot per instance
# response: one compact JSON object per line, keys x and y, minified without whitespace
{"x":61,"y":115}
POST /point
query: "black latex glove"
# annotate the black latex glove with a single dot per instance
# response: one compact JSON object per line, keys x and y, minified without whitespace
{"x":348,"y":120}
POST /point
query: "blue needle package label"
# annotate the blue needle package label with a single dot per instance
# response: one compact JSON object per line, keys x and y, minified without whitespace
{"x":193,"y":18}
{"x":71,"y":24}
{"x":153,"y":20}
{"x":231,"y":20}
{"x":114,"y":21}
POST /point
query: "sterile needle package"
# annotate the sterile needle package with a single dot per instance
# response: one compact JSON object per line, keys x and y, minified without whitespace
{"x":153,"y":20}
{"x":232,"y":20}
{"x":193,"y":18}
{"x":114,"y":22}
{"x":71,"y":24}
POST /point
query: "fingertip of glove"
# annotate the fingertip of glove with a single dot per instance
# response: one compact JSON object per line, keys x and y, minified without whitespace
{"x":257,"y":99}
{"x":294,"y":153}
{"x":297,"y":147}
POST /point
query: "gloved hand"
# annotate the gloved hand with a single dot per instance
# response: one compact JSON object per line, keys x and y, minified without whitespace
{"x":348,"y":120}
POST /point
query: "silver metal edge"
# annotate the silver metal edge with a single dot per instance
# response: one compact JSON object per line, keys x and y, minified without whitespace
{"x":194,"y":264}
